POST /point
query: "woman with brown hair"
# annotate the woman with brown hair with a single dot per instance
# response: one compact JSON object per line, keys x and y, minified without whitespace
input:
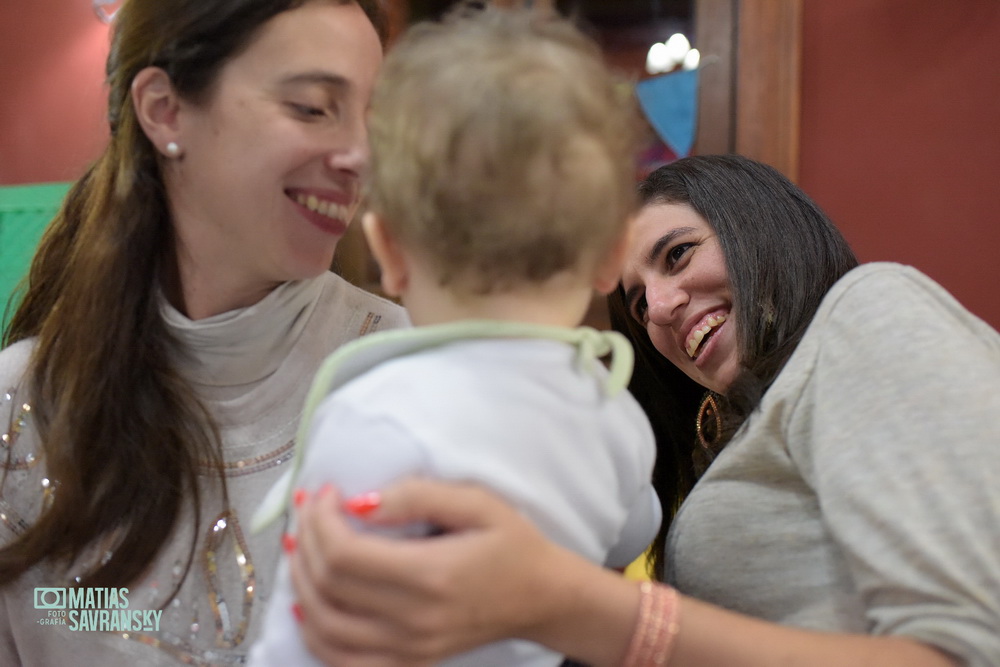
{"x":177,"y":307}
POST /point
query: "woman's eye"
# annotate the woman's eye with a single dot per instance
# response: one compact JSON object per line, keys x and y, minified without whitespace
{"x":306,"y":110}
{"x":639,"y":310}
{"x":676,"y":253}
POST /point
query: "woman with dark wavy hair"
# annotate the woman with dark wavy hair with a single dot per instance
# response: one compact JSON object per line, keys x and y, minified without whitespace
{"x":781,"y":254}
{"x":177,"y":307}
{"x":842,"y":509}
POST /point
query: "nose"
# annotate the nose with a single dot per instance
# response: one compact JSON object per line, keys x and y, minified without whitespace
{"x":664,"y":299}
{"x":350,"y":151}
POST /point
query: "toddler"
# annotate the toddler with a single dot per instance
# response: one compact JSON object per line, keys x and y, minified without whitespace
{"x":503,"y":179}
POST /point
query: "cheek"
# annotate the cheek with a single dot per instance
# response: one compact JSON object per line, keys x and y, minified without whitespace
{"x":665,"y":345}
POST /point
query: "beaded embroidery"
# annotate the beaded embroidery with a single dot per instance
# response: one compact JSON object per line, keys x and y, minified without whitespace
{"x":230,"y":632}
{"x":254,"y":464}
{"x":18,"y":420}
{"x":16,"y":423}
{"x":223,"y":546}
{"x":370,"y":323}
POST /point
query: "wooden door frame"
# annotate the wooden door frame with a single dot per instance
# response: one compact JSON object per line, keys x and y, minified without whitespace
{"x":749,"y":84}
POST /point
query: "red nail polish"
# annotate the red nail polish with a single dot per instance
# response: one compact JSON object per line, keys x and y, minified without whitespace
{"x":363,"y":504}
{"x":325,"y":490}
{"x":288,"y":543}
{"x":299,"y":497}
{"x":297,"y":612}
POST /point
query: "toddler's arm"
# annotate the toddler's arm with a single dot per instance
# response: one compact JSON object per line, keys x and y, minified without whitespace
{"x":355,"y":453}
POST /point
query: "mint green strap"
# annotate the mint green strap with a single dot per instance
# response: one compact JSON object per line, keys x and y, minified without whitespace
{"x":358,"y":356}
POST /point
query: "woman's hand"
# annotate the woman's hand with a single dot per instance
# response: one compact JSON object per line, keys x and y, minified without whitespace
{"x":375,"y":601}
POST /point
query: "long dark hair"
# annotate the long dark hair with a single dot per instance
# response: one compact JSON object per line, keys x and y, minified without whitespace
{"x":782,"y":255}
{"x":122,"y":433}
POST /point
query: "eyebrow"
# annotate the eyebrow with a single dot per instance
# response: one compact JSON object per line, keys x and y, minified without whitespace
{"x":653,"y":253}
{"x":664,"y":241}
{"x":317,"y":77}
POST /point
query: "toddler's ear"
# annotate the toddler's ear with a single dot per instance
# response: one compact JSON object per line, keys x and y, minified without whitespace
{"x":388,"y":253}
{"x":609,"y":268}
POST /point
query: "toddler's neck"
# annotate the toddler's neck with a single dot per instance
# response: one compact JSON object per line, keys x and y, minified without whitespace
{"x":560,"y":301}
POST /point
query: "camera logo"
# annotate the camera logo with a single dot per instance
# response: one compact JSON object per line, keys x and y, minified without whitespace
{"x":50,"y":598}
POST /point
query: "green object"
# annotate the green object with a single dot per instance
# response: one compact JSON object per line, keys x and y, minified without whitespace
{"x":25,"y":210}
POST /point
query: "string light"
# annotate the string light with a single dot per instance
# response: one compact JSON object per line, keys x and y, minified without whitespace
{"x":665,"y":56}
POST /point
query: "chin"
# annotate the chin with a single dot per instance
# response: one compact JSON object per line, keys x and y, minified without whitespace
{"x":305,"y":267}
{"x":309,"y":275}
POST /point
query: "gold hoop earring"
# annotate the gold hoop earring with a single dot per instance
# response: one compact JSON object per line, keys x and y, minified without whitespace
{"x":709,"y":410}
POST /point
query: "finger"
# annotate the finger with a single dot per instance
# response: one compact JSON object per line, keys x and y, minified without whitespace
{"x":322,"y":587}
{"x":326,"y":629}
{"x":346,"y":637}
{"x":338,"y":555}
{"x":355,"y":571}
{"x":325,"y":562}
{"x":340,"y":658}
{"x":331,"y":547}
{"x":452,"y":506}
{"x":391,"y":607}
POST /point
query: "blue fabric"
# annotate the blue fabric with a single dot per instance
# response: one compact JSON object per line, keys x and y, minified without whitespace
{"x":670,"y":102}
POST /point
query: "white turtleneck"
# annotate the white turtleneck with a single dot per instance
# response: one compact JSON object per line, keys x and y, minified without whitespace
{"x":244,"y":346}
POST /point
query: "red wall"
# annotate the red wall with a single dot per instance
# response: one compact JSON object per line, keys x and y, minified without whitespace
{"x":900,"y":123}
{"x":52,"y":95}
{"x":900,"y":139}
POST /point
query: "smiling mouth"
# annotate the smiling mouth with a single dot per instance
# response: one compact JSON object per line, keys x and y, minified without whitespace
{"x":700,"y":336}
{"x":330,"y":209}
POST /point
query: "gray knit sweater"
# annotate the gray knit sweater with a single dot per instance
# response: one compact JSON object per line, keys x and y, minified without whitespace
{"x":864,"y":494}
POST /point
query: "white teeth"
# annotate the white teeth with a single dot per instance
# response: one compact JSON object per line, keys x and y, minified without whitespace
{"x":322,"y":206}
{"x":693,"y":343}
{"x":699,"y":334}
{"x":695,"y":340}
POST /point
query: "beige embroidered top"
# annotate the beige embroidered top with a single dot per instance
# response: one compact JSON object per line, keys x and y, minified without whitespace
{"x":252,"y":368}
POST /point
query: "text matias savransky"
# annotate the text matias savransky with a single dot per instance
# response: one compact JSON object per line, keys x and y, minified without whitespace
{"x":94,"y":609}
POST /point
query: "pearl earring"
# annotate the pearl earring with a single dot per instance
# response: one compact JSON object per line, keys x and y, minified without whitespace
{"x":173,"y":150}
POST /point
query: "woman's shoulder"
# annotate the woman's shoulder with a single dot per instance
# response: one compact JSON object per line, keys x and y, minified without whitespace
{"x":21,"y":468}
{"x":375,"y":311}
{"x":14,"y":363}
{"x":889,"y":295}
{"x":875,"y":278}
{"x":888,"y":316}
